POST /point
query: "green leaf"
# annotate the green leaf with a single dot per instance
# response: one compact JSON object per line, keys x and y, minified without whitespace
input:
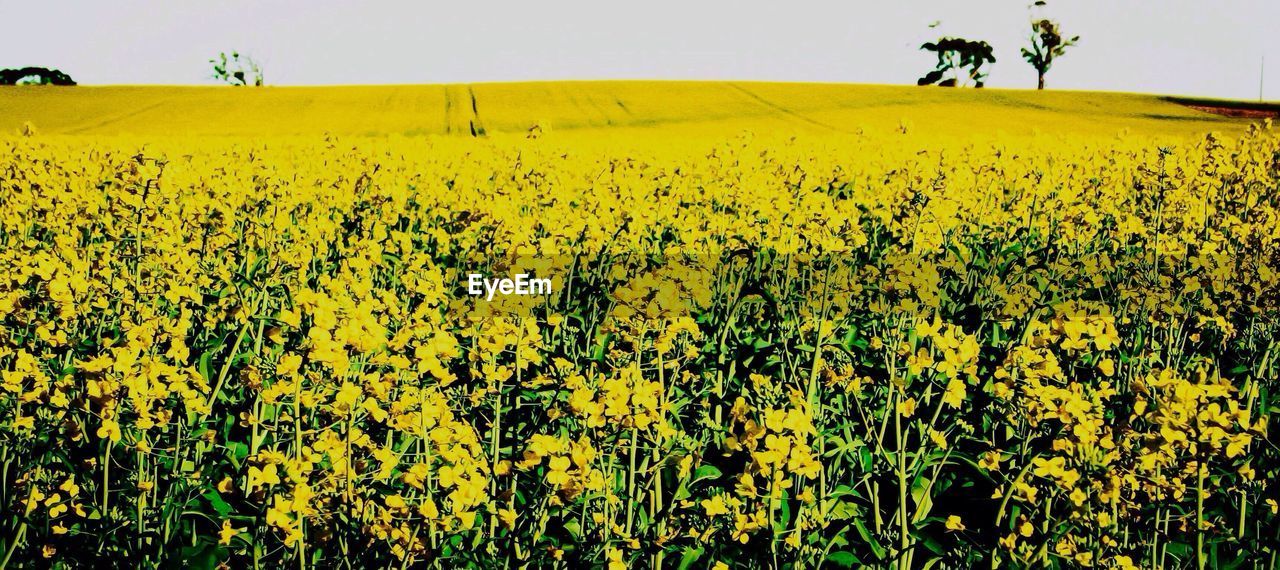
{"x":866,"y":460}
{"x":219,"y":505}
{"x":876,"y":548}
{"x":682,"y":492}
{"x":574,"y":528}
{"x":239,"y":452}
{"x":784,"y":515}
{"x":690,"y":556}
{"x":843,"y":510}
{"x":844,"y":559}
{"x":206,"y":367}
{"x":706,"y":472}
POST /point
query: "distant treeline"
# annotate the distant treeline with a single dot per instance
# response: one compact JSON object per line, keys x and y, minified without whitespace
{"x":35,"y":75}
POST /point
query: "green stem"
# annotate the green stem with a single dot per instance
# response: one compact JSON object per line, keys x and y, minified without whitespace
{"x":13,"y":546}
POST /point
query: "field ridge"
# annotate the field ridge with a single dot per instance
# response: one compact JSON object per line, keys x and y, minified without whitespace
{"x":671,"y":107}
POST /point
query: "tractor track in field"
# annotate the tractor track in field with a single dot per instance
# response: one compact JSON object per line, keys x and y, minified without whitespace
{"x":477,"y":126}
{"x":779,"y":108}
{"x":448,"y":112}
{"x":598,"y":110}
{"x":591,"y":112}
{"x":462,"y":111}
{"x":118,"y":117}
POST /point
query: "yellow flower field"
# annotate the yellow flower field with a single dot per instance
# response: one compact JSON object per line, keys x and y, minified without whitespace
{"x":618,"y":110}
{"x":899,"y":340}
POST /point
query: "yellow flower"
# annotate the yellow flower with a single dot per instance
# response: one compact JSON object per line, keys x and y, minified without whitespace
{"x":70,"y":488}
{"x":508,"y":518}
{"x":929,"y":329}
{"x":502,"y":468}
{"x":267,"y":475}
{"x":715,"y":506}
{"x":954,"y":523}
{"x":792,"y":540}
{"x":907,"y":407}
{"x":289,"y":364}
{"x":1009,"y":541}
{"x":939,"y":438}
{"x":109,"y":429}
{"x":1078,"y":497}
{"x":1122,"y":562}
{"x":395,"y":502}
{"x":614,"y":556}
{"x":428,"y":509}
{"x":227,"y":533}
{"x":990,"y":461}
{"x":955,"y":393}
{"x":686,"y":466}
{"x":55,"y":505}
{"x":1107,"y":366}
{"x":558,"y":473}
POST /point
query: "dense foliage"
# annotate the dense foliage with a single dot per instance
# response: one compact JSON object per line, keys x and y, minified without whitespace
{"x":866,"y":349}
{"x":34,"y":76}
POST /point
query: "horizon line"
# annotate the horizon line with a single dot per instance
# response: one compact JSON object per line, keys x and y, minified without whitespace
{"x":654,"y":80}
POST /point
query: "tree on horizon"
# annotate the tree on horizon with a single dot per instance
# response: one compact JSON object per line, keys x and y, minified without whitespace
{"x":237,"y":70}
{"x":34,"y":76}
{"x":1047,"y":44}
{"x":960,"y":61}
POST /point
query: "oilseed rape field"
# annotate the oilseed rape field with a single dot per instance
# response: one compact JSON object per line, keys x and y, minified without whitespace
{"x":790,"y":326}
{"x":671,"y":110}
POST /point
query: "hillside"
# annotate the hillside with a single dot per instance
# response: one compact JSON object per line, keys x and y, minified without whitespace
{"x":676,"y":108}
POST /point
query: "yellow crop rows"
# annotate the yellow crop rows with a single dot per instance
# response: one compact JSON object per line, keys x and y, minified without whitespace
{"x":624,"y":109}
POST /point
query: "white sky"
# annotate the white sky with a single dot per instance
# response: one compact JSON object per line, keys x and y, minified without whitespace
{"x":1200,"y":47}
